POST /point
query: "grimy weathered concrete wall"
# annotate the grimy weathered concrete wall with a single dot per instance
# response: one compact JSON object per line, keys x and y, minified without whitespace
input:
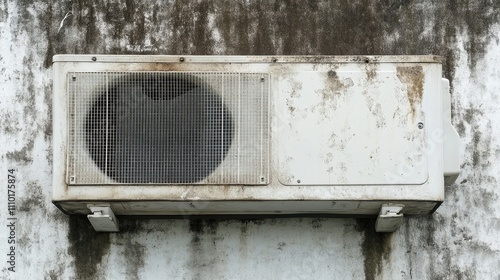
{"x":460,"y":241}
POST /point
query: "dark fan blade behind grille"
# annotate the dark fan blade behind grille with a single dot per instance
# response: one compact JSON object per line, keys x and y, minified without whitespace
{"x":158,"y":128}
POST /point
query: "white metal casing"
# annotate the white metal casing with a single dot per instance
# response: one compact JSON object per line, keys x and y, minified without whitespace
{"x":346,"y":135}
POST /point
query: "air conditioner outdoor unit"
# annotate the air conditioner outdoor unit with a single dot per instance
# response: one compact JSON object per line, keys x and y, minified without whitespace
{"x":242,"y":135}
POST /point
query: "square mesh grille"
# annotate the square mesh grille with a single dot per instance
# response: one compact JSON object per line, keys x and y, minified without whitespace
{"x":168,"y":128}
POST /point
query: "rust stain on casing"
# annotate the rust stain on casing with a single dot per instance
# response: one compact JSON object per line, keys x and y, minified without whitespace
{"x":335,"y":85}
{"x":413,"y":77}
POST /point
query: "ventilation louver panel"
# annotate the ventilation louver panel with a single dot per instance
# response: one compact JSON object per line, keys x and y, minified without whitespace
{"x":168,"y":128}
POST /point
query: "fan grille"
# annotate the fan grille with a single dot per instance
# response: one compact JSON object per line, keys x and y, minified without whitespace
{"x":168,"y":128}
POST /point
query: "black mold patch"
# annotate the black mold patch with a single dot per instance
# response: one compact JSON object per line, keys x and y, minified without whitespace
{"x":201,"y":226}
{"x":196,"y":228}
{"x":480,"y":146}
{"x":47,"y":127}
{"x":409,"y":249}
{"x":477,"y":19}
{"x":10,"y":124}
{"x":460,"y":127}
{"x":444,"y":263}
{"x":449,"y":70}
{"x":459,"y":273}
{"x":263,"y":40}
{"x":317,"y":223}
{"x":55,"y":274}
{"x":471,"y":114}
{"x":27,"y":96}
{"x":426,"y":239}
{"x":116,"y":17}
{"x":376,"y":248}
{"x":476,"y":153}
{"x":481,"y":143}
{"x":135,"y":254}
{"x":25,"y":18}
{"x":203,"y":243}
{"x":4,"y":13}
{"x":35,"y":198}
{"x":24,"y":155}
{"x":181,"y":23}
{"x":129,"y":225}
{"x":261,"y":221}
{"x":432,"y":223}
{"x":271,"y":27}
{"x":47,"y":22}
{"x":234,"y":25}
{"x":485,"y":199}
{"x":87,"y":247}
{"x":202,"y":41}
{"x":138,"y":36}
{"x":92,"y":35}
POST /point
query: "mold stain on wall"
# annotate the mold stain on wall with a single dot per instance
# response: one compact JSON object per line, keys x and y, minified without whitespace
{"x":35,"y":200}
{"x":87,"y":247}
{"x":376,"y":248}
{"x":353,"y":28}
{"x":480,"y":146}
{"x":204,"y":240}
{"x":23,"y":155}
{"x":262,"y":27}
{"x":135,"y":255}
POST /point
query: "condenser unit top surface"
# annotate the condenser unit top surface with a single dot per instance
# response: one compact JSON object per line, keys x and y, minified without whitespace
{"x":248,"y":59}
{"x":250,"y":128}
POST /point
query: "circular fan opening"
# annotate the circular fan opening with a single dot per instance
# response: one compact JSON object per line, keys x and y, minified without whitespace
{"x":158,"y":128}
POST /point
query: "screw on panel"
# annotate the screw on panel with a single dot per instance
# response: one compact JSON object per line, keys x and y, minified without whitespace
{"x":262,"y":79}
{"x":298,"y":181}
{"x":72,"y":179}
{"x":73,"y":78}
{"x":420,"y":125}
{"x":181,"y":59}
{"x":94,"y":58}
{"x":262,"y":179}
{"x":274,"y":59}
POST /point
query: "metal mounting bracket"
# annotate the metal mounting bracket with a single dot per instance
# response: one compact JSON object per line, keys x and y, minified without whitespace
{"x":103,"y":219}
{"x":389,"y":218}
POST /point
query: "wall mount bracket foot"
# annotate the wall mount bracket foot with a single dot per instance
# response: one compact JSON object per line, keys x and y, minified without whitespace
{"x":389,"y":218}
{"x":103,"y":219}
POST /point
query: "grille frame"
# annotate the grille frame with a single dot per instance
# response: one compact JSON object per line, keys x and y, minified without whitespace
{"x":84,"y":88}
